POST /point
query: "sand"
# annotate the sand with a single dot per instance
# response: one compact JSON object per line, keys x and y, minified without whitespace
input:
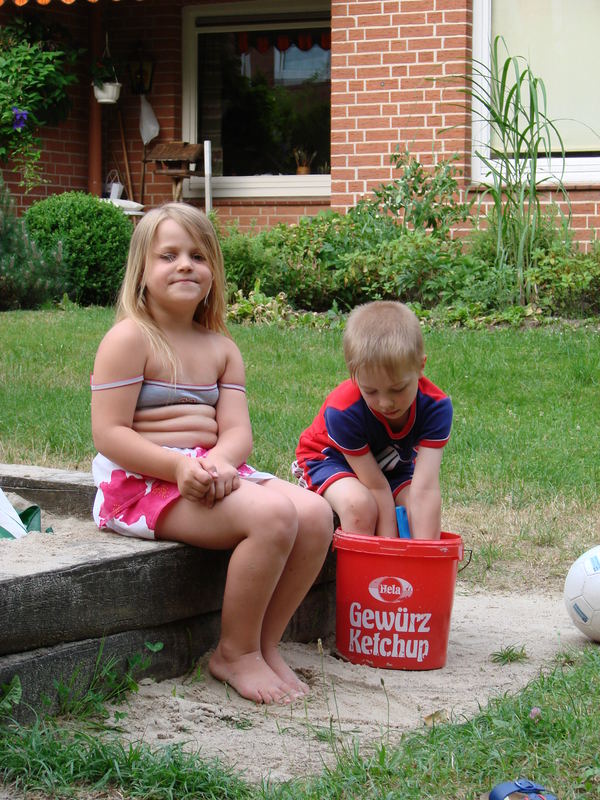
{"x":353,"y":705}
{"x":349,"y":705}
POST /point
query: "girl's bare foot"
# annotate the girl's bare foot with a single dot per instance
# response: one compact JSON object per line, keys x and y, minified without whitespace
{"x":251,"y":677}
{"x":273,"y":658}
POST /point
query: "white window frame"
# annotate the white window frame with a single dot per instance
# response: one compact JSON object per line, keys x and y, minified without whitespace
{"x":577,"y":169}
{"x":243,"y":186}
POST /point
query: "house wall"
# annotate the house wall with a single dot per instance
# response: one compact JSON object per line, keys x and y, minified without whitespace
{"x":392,"y":61}
{"x":157,"y":24}
{"x":388,"y":62}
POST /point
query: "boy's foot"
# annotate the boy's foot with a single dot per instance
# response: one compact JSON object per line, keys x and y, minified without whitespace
{"x":273,"y":658}
{"x":251,"y":677}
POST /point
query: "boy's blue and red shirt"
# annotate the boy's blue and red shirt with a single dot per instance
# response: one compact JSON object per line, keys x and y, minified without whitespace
{"x":346,"y":425}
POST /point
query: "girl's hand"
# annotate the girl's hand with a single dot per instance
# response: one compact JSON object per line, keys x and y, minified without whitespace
{"x":194,"y":481}
{"x":225,"y":476}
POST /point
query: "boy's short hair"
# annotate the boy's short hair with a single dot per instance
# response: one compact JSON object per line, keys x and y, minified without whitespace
{"x":384,"y":334}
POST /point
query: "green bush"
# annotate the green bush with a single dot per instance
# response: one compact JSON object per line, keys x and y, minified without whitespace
{"x":302,"y":260}
{"x":418,"y":268}
{"x":245,"y":258}
{"x":566,"y":285}
{"x":424,"y":198}
{"x":93,"y":236}
{"x":27,"y":280}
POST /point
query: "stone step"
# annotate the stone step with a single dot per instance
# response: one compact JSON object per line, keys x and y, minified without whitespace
{"x":67,"y":595}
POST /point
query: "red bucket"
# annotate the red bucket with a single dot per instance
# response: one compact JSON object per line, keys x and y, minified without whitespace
{"x":394,"y":599}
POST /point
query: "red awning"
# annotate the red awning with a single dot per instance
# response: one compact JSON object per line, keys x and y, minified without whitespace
{"x":282,"y":40}
{"x":47,"y":2}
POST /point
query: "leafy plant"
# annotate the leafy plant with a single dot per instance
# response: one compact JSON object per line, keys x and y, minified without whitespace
{"x":424,"y":198}
{"x":35,"y":63}
{"x":104,"y":70}
{"x":110,"y":682}
{"x":566,"y":284}
{"x":512,"y":100}
{"x":303,"y":156}
{"x":10,"y":695}
{"x":93,"y":236}
{"x":27,"y":278}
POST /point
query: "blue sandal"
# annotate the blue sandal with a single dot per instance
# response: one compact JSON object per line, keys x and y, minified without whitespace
{"x":533,"y":790}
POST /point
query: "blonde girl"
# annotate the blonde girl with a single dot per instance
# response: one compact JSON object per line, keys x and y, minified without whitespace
{"x":171,"y":425}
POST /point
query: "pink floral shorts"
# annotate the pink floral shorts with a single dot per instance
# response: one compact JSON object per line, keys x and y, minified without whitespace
{"x":130,"y":504}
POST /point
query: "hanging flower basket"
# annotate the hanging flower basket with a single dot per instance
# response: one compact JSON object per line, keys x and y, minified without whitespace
{"x":105,"y":79}
{"x":107,"y":92}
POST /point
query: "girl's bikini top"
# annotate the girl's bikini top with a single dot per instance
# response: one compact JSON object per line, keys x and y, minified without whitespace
{"x":160,"y":393}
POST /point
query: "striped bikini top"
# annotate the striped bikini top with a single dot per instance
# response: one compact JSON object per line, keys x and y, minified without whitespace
{"x":161,"y":393}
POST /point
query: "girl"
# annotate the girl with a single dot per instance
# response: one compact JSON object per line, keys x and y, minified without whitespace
{"x":179,"y":474}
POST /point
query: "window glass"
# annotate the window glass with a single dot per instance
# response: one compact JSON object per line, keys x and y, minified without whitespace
{"x":559,"y":40}
{"x":264,"y":99}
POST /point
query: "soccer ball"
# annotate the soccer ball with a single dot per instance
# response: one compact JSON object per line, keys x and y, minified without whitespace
{"x":582,"y":593}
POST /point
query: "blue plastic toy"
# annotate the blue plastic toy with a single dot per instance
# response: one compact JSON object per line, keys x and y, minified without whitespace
{"x":402,"y":520}
{"x":533,"y":790}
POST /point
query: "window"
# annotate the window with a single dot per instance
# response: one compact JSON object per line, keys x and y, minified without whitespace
{"x":558,"y":40}
{"x":256,"y":83}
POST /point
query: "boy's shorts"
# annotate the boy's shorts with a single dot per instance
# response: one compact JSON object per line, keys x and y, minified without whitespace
{"x":130,"y":504}
{"x":319,"y":473}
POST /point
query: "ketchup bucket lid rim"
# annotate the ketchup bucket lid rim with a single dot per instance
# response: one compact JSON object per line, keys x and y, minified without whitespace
{"x":450,"y":545}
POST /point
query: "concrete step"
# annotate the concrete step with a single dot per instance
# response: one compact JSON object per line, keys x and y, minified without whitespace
{"x":67,"y":595}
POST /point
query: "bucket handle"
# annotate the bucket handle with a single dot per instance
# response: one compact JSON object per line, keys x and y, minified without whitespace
{"x":470,"y":552}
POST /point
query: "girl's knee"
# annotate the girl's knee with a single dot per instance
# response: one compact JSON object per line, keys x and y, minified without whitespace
{"x":276,"y":521}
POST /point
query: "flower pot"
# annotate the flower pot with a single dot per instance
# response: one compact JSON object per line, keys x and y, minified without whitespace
{"x":107,"y":93}
{"x":303,"y":170}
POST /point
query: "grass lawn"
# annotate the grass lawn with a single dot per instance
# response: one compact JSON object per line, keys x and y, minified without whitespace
{"x":520,"y":479}
{"x":520,"y":475}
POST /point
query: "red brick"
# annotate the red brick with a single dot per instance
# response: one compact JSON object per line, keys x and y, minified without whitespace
{"x":407,"y":18}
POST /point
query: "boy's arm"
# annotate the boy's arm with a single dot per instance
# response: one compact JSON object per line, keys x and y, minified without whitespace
{"x":369,"y":473}
{"x":425,"y":511}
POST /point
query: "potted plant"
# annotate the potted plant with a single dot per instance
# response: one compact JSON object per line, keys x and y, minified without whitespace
{"x":104,"y":79}
{"x":304,"y":159}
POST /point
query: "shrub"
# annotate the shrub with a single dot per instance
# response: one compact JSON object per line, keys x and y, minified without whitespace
{"x":423,"y":198}
{"x":27,"y":280}
{"x":418,"y":268}
{"x":94,"y":236}
{"x":566,"y":284}
{"x":245,"y":258}
{"x":302,"y":260}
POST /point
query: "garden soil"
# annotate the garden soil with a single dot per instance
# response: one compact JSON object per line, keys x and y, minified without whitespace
{"x":350,"y":706}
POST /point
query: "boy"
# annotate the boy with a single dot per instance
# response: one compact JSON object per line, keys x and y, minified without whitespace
{"x":378,"y":439}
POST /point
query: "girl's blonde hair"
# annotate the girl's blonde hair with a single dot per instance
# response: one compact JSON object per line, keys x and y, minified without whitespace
{"x":383,"y":334}
{"x":210,"y":313}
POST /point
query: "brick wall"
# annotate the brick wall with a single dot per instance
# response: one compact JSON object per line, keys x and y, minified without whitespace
{"x":391,"y":65}
{"x":387,"y":62}
{"x":392,"y":62}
